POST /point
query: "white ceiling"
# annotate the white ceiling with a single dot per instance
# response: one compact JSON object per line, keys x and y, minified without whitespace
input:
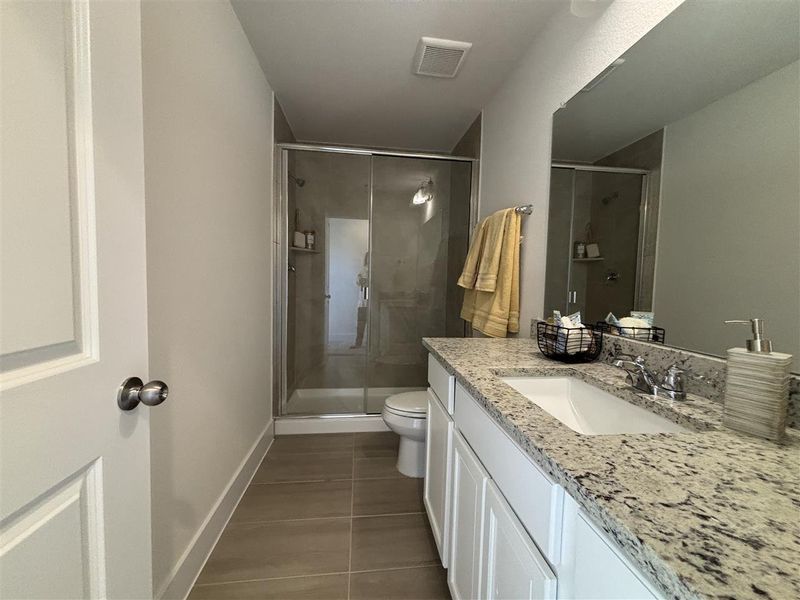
{"x":701,"y":52}
{"x":342,"y":70}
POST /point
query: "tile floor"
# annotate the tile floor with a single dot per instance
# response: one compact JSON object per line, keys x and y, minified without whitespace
{"x":327,"y":517}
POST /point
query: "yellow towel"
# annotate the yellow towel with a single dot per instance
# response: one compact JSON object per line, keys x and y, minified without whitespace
{"x":483,"y":259}
{"x":496,"y":312}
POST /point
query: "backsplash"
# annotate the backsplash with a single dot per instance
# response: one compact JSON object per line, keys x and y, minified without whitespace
{"x":706,"y":373}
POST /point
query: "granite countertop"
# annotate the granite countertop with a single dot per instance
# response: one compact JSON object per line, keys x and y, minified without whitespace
{"x":705,"y":514}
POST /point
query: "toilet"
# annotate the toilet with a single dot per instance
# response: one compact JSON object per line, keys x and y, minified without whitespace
{"x":406,"y":415}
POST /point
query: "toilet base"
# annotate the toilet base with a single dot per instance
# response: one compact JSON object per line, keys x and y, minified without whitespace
{"x":411,"y":457}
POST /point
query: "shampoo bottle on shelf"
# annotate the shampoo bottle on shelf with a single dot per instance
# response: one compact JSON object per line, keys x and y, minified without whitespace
{"x":757,"y":386}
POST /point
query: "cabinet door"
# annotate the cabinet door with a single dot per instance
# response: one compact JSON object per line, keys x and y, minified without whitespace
{"x":437,"y":473}
{"x":592,"y":568}
{"x":512,"y":568}
{"x":466,"y":512}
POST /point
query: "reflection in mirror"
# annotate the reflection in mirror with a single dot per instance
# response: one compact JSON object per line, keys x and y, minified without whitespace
{"x":675,"y":185}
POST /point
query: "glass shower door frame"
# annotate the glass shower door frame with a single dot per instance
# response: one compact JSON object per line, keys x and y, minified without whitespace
{"x":281,"y":259}
{"x":643,"y":216}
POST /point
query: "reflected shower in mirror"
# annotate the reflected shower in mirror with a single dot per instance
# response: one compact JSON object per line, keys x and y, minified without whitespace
{"x":675,"y":186}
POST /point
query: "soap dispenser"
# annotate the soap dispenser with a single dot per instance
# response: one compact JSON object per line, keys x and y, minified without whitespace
{"x":757,"y":386}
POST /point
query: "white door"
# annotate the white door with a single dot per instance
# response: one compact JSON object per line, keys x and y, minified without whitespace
{"x":466,"y":518}
{"x":74,"y":468}
{"x":512,"y":568}
{"x":437,"y":473}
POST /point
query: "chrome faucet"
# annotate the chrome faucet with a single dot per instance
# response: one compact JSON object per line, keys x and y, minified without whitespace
{"x":672,"y":384}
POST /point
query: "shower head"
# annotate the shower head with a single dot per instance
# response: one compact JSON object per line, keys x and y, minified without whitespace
{"x":299,"y":182}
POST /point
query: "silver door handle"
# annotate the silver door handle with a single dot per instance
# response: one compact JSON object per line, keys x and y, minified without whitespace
{"x":133,"y":390}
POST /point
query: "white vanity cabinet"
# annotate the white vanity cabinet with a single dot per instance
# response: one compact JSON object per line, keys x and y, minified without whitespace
{"x":504,"y":529}
{"x":468,"y":479}
{"x":511,"y":564}
{"x":437,"y":473}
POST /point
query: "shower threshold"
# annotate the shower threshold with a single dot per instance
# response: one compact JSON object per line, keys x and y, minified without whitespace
{"x":337,"y":401}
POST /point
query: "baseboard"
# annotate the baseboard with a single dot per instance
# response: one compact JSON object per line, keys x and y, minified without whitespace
{"x":297,"y":425}
{"x":182,"y":577}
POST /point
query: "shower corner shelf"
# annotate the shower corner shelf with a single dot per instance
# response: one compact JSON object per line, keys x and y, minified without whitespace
{"x":309,"y":250}
{"x":599,"y":258}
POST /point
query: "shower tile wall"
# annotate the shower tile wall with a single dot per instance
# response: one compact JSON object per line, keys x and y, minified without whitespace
{"x":614,"y":214}
{"x":558,"y":244}
{"x":645,"y":153}
{"x":581,"y":211}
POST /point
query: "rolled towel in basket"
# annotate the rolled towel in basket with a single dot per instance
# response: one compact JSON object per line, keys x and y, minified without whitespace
{"x":638,"y":329}
{"x":573,"y":337}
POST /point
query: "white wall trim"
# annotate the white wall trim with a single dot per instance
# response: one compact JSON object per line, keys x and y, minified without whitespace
{"x":295,"y":425}
{"x":184,"y":574}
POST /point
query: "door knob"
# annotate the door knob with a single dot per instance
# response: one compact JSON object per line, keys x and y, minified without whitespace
{"x":133,"y":390}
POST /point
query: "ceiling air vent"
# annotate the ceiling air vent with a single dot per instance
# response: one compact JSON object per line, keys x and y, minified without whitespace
{"x":439,"y":58}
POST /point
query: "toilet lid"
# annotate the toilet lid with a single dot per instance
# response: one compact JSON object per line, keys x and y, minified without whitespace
{"x":409,"y":404}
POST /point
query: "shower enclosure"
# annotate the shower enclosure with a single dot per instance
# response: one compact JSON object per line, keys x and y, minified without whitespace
{"x":608,"y":208}
{"x":380,"y":274}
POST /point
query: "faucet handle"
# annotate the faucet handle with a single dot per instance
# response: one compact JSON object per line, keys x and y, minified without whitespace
{"x":631,"y":357}
{"x":674,"y":378}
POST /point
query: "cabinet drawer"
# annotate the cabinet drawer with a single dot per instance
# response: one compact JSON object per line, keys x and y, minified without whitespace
{"x":442,"y":383}
{"x":535,"y":499}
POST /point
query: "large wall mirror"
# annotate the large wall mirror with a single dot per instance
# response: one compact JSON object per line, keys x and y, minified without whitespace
{"x":675,"y":185}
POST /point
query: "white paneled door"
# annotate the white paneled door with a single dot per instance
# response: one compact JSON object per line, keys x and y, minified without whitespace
{"x":74,"y":468}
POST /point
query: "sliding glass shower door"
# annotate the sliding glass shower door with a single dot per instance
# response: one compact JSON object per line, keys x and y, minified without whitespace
{"x":327,"y":201}
{"x":417,"y":252}
{"x":381,"y":275}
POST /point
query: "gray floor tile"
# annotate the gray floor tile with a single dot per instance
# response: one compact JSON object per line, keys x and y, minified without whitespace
{"x":280,"y":501}
{"x":279,"y":549}
{"x":304,"y":467}
{"x":387,"y":496}
{"x":312,"y":443}
{"x":421,"y":583}
{"x":377,"y":467}
{"x":379,"y":443}
{"x":317,"y":587}
{"x":392,"y":542}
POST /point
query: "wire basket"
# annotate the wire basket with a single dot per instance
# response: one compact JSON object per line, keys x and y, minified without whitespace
{"x":642,"y":334}
{"x":570,"y":345}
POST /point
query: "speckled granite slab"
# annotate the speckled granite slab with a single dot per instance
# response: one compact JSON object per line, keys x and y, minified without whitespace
{"x":704,"y":514}
{"x":707,"y":372}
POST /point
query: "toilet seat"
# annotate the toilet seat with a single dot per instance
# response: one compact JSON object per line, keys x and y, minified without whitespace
{"x":413,"y":405}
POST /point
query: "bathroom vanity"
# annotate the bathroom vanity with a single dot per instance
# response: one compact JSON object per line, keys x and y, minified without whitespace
{"x":522,"y":505}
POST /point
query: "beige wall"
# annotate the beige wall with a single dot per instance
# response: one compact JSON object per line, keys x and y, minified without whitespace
{"x":517,"y":122}
{"x":470,"y":143}
{"x":282,"y":130}
{"x":728,"y":243}
{"x":208,"y":161}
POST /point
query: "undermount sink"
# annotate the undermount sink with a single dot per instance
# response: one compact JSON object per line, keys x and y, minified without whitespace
{"x":587,"y":409}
